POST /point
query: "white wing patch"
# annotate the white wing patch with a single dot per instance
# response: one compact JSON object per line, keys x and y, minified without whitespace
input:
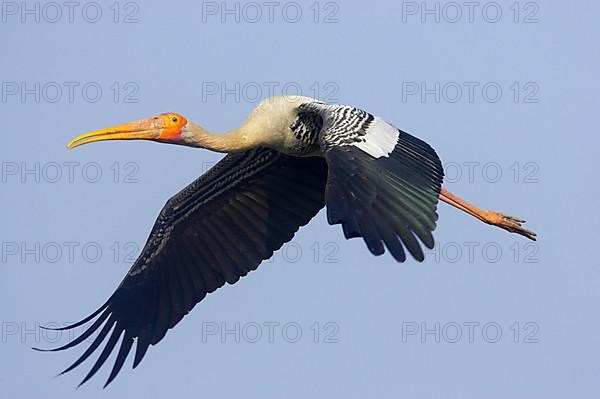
{"x":380,"y":140}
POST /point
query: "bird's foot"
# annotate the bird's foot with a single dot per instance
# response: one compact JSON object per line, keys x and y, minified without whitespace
{"x":509,"y":223}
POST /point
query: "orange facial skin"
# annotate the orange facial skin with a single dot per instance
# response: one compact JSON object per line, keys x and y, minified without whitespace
{"x":172,"y":125}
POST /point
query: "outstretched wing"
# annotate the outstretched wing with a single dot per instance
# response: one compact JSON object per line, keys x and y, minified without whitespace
{"x":383,"y":183}
{"x":215,"y":230}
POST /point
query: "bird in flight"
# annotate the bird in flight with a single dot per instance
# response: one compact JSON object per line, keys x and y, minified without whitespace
{"x":290,"y":158}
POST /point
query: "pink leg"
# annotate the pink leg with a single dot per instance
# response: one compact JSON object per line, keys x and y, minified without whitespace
{"x":505,"y":222}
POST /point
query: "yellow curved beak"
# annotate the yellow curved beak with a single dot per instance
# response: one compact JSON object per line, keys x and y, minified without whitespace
{"x":145,"y":129}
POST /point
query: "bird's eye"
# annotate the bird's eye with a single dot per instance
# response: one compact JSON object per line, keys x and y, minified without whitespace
{"x":174,"y":119}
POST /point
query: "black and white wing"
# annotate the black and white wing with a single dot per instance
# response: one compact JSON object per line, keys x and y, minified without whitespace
{"x":217,"y":229}
{"x":383,"y":183}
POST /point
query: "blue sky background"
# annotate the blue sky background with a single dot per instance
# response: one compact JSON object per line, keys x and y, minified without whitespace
{"x":539,"y":134}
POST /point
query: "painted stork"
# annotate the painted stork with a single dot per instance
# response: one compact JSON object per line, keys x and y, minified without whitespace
{"x":291,"y":157}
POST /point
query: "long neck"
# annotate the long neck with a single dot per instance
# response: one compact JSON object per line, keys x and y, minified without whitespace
{"x":238,"y":140}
